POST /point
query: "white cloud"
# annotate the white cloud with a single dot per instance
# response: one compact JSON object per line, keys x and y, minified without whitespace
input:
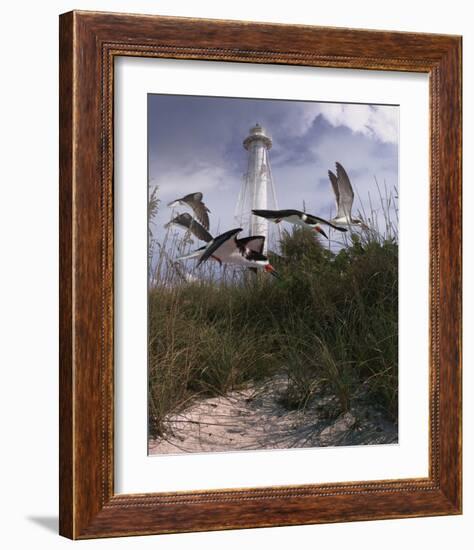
{"x":380,"y":122}
{"x":299,"y":120}
{"x":374,"y":121}
{"x":187,"y":178}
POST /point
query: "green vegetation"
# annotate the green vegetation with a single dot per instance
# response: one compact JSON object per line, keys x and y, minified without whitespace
{"x":330,"y":324}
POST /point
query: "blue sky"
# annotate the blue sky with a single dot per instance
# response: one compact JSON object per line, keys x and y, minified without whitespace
{"x":195,"y":144}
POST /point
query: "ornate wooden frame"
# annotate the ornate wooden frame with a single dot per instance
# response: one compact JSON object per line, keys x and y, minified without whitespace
{"x":89,"y":43}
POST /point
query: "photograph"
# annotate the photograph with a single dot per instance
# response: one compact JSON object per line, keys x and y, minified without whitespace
{"x":273,"y":230}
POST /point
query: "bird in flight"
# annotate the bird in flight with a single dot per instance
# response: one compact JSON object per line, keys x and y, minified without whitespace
{"x":245,"y":252}
{"x":344,"y":194}
{"x":188,"y":222}
{"x":254,"y":244}
{"x":194,"y":201}
{"x":296,"y":217}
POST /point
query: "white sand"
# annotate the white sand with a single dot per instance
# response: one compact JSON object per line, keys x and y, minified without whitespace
{"x":254,"y":418}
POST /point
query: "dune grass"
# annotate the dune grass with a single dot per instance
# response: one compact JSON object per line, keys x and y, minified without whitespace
{"x":330,"y":324}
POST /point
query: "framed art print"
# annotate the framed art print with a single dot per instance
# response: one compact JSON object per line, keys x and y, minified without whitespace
{"x":260,"y":275}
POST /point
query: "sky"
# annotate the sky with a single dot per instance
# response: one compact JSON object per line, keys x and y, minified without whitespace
{"x":195,"y":144}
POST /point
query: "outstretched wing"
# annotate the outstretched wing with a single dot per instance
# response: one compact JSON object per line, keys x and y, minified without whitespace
{"x":335,"y":187}
{"x":194,"y":200}
{"x":192,"y":255}
{"x":346,"y":193}
{"x":317,"y":219}
{"x":222,"y":245}
{"x":252,"y":243}
{"x":276,"y":214}
{"x":187,"y":221}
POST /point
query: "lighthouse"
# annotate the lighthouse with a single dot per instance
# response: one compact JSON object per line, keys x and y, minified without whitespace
{"x":257,"y":190}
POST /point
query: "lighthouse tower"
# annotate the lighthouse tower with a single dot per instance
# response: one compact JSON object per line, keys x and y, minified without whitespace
{"x":257,"y":191}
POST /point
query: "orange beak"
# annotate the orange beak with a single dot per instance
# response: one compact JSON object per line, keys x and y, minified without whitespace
{"x":270,"y":269}
{"x":319,"y":230}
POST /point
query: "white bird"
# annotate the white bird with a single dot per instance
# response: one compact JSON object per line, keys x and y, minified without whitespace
{"x":246,"y":252}
{"x":194,"y":201}
{"x":344,"y":194}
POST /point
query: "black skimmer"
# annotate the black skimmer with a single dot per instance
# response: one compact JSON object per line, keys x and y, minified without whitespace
{"x":187,"y":221}
{"x":253,"y":243}
{"x":245,"y":252}
{"x":296,"y":217}
{"x":344,"y":193}
{"x":194,"y":201}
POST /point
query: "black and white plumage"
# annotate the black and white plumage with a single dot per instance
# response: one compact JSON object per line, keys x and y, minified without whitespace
{"x":296,"y":217}
{"x":255,"y":244}
{"x":245,"y":252}
{"x":344,"y":194}
{"x":188,"y":222}
{"x":194,"y":201}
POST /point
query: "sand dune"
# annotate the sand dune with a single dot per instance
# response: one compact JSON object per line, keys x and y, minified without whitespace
{"x":255,"y":418}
